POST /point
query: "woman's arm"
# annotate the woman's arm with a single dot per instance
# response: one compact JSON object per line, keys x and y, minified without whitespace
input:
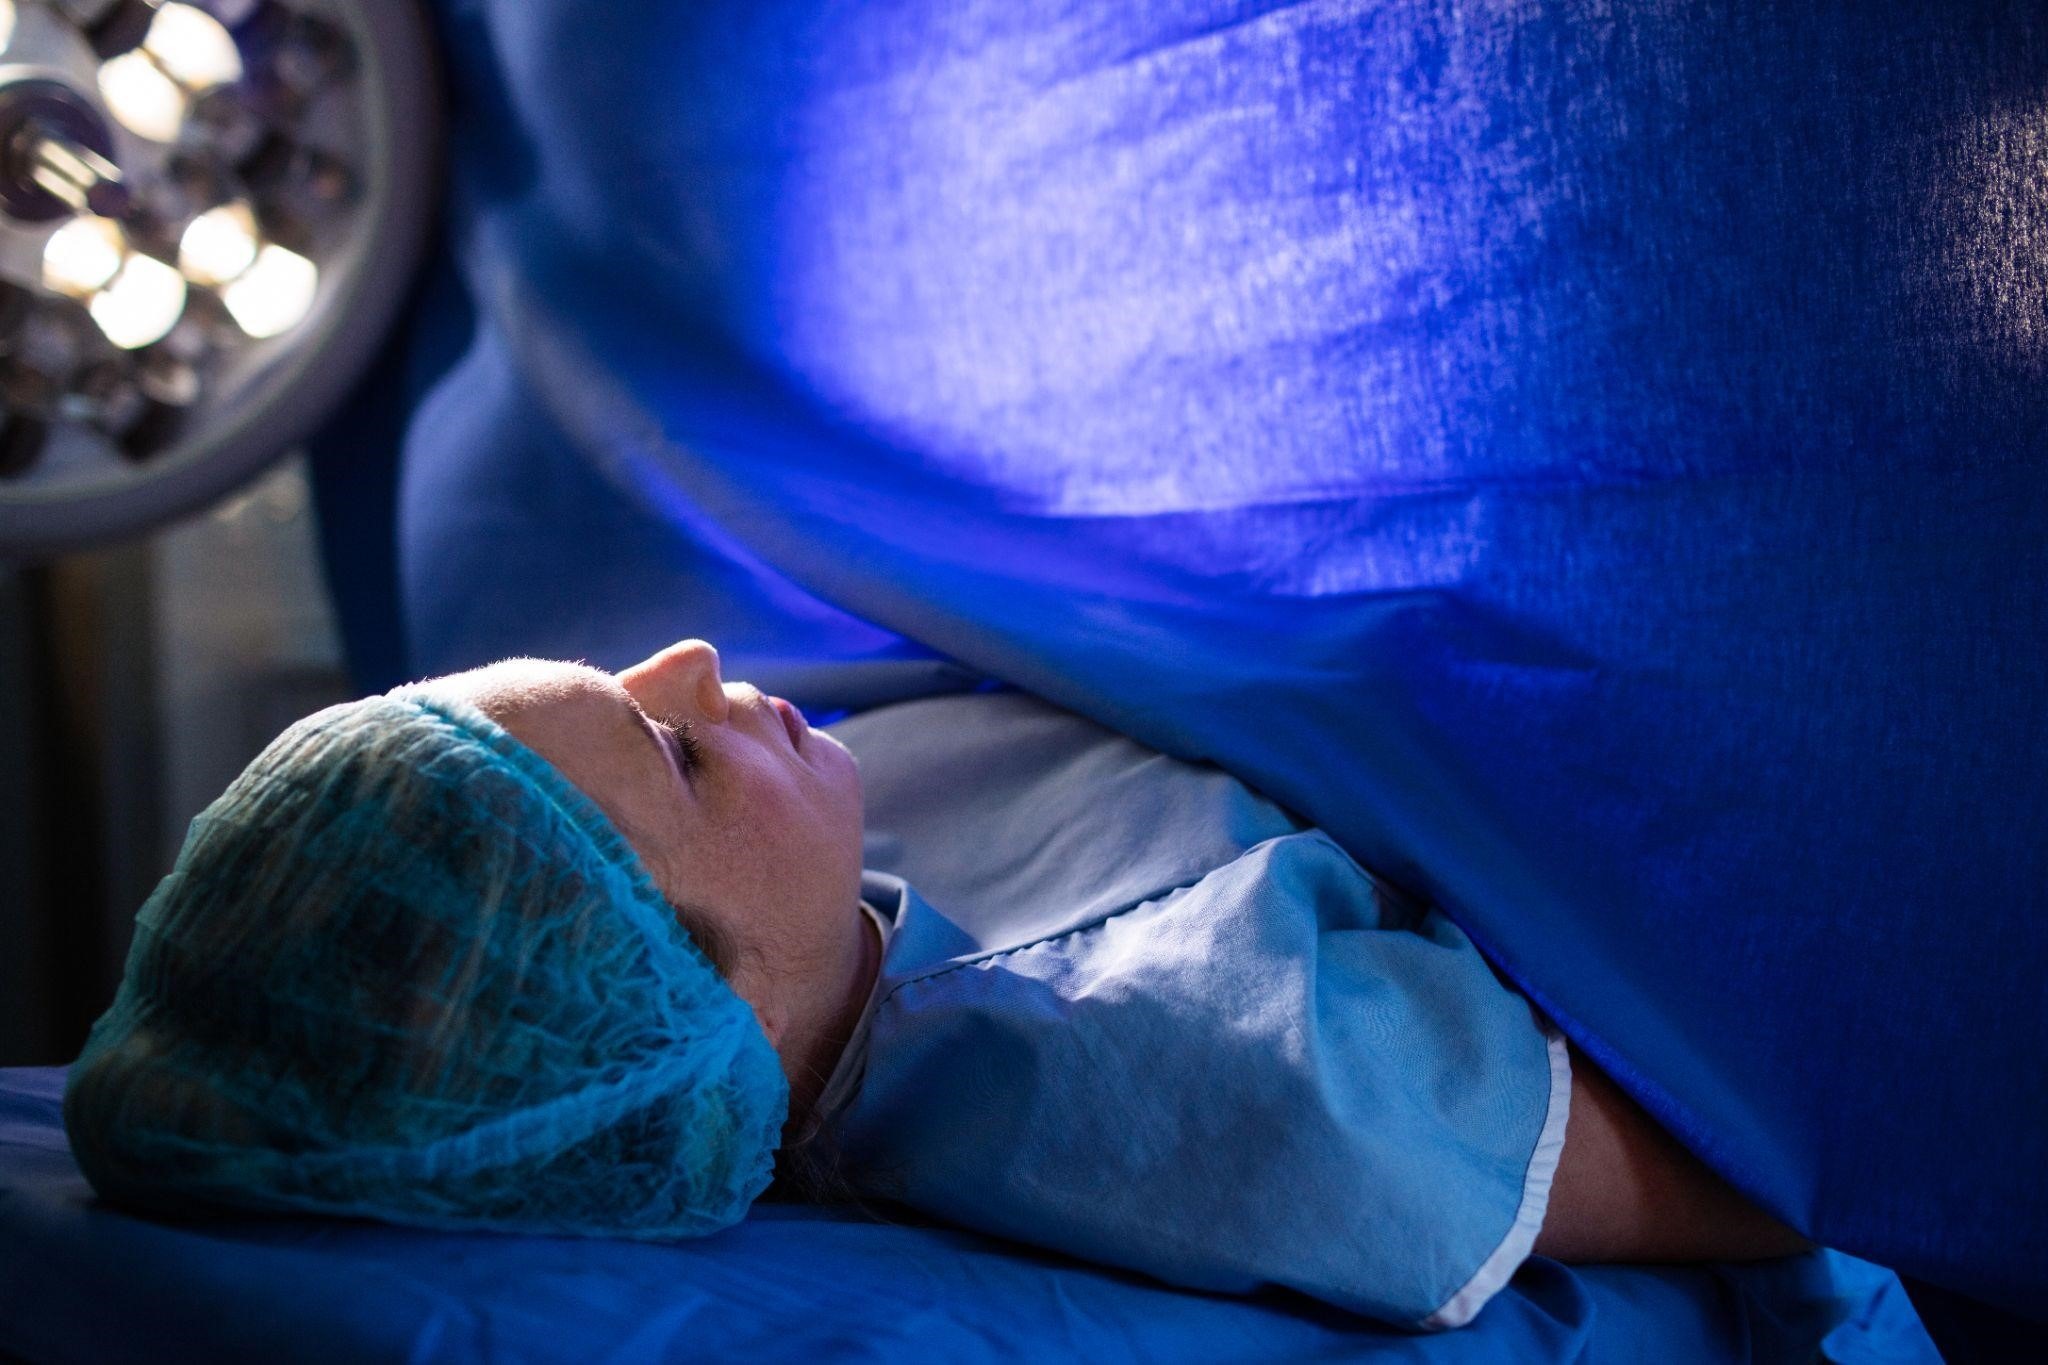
{"x":1626,"y":1191}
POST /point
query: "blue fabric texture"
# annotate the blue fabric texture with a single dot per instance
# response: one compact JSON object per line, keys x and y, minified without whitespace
{"x":402,"y":969}
{"x":1585,"y":459}
{"x":1206,"y":1043}
{"x":85,"y":1283}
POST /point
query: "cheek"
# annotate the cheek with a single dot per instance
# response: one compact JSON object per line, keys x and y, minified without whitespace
{"x":795,"y":843}
{"x":847,"y":801}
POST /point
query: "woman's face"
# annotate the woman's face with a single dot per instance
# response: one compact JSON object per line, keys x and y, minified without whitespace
{"x":737,"y":807}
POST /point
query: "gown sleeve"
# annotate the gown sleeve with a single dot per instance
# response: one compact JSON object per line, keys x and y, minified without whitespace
{"x":1272,"y":1075}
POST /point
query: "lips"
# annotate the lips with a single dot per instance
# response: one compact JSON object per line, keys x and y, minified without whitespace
{"x":792,"y":721}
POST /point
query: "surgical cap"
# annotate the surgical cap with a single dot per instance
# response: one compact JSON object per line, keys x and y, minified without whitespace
{"x":403,"y":969}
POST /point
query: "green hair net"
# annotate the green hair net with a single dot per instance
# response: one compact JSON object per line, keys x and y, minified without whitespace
{"x":404,"y":970}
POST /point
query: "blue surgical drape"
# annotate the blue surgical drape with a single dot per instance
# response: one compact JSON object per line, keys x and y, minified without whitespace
{"x":1588,"y":459}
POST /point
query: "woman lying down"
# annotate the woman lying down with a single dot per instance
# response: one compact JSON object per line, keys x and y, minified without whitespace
{"x":543,"y":949}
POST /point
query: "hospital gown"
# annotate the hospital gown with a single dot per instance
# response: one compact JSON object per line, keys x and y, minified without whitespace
{"x":1131,"y":1010}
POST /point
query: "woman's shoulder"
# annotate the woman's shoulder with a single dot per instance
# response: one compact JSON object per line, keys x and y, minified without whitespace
{"x":1013,"y":816}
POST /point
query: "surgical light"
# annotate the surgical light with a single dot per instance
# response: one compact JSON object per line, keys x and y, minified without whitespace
{"x":274,"y":294}
{"x":192,"y":48}
{"x":209,"y":212}
{"x":141,"y":304}
{"x":83,"y":255}
{"x":219,"y":245}
{"x":142,"y":97}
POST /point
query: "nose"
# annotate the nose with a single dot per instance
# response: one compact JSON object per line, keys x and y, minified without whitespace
{"x":683,"y":675}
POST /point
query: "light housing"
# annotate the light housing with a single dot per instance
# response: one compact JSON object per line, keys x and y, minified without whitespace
{"x":210,"y":211}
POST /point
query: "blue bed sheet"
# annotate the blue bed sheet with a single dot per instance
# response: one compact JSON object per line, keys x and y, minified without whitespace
{"x":80,"y":1282}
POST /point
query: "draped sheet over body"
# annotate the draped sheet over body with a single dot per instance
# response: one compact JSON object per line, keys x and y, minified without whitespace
{"x":1584,"y":458}
{"x":1129,"y":1009}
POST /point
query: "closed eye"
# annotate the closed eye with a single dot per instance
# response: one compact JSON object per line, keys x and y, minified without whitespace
{"x":673,"y":735}
{"x":689,"y":749}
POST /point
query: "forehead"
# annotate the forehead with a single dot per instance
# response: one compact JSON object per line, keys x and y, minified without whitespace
{"x":563,"y":710}
{"x":522,"y":684}
{"x":577,"y":718}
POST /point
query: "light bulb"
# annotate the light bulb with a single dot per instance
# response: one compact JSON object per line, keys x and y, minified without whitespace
{"x":83,"y":255}
{"x":192,"y":47}
{"x":142,"y":304}
{"x":219,"y":245}
{"x":142,"y":97}
{"x":273,"y":295}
